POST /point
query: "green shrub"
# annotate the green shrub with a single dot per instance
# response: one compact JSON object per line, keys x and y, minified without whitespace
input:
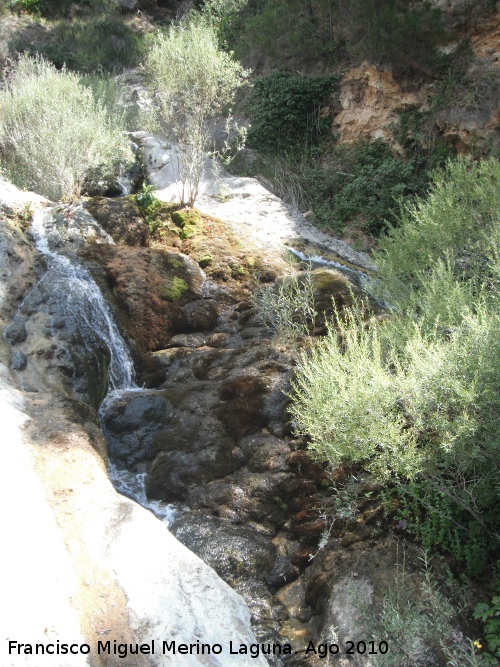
{"x":418,"y":623}
{"x":364,"y":184}
{"x":288,"y":308}
{"x":98,"y":42}
{"x":458,"y":224}
{"x":53,"y":130}
{"x":433,"y":519}
{"x":490,"y":616}
{"x":302,"y":33}
{"x":416,"y":400}
{"x":270,"y":32}
{"x":284,"y":111}
{"x":60,"y":8}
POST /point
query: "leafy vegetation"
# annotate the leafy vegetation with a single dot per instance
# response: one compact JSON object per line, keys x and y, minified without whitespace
{"x":365,"y":184}
{"x":194,"y":81}
{"x":415,"y":400}
{"x":413,"y":620}
{"x":104,"y":41}
{"x":288,"y":308}
{"x":284,"y":110}
{"x":490,"y":616}
{"x":53,"y":157}
{"x":399,"y":33}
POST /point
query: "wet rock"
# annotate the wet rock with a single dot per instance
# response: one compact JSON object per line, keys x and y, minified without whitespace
{"x":293,"y":597}
{"x":283,"y":572}
{"x":146,"y":284}
{"x":187,"y":340}
{"x":65,"y":352}
{"x":266,"y":499}
{"x":195,"y":316}
{"x":16,"y":333}
{"x":265,"y":453}
{"x":235,"y":552}
{"x":72,"y":227}
{"x":243,"y":558}
{"x":331,"y":286}
{"x":241,"y":405}
{"x":173,"y":473}
{"x":18,"y":360}
{"x":17,"y":260}
{"x":130,"y":422}
{"x":121,"y":218}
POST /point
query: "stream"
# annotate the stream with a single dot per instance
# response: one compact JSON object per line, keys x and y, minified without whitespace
{"x":84,"y":304}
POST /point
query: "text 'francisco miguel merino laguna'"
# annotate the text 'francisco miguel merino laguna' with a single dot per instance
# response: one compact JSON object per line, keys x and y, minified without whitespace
{"x":166,"y":647}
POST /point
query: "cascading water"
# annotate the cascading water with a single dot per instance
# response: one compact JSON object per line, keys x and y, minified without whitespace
{"x":84,"y":304}
{"x":357,"y":277}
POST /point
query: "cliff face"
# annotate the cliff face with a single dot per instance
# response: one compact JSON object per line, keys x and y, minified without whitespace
{"x":463,"y":108}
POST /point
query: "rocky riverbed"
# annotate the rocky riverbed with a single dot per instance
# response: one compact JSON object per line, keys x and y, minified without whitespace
{"x":201,"y":419}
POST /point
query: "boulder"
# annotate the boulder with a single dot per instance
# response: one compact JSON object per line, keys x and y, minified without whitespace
{"x":130,"y":421}
{"x":121,"y":218}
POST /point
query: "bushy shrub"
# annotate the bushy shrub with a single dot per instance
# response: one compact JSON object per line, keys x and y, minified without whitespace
{"x":416,"y":399}
{"x":301,"y":33}
{"x":458,"y":223}
{"x":102,"y":41}
{"x":288,"y":308}
{"x":266,"y":32}
{"x":365,"y":184}
{"x":53,"y":130}
{"x":284,"y":111}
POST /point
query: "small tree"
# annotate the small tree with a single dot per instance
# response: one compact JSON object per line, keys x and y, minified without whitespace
{"x":194,"y":82}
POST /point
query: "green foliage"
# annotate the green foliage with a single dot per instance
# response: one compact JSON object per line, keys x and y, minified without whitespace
{"x":62,"y":8}
{"x":157,"y":213}
{"x":193,"y":81}
{"x":223,"y":15}
{"x":458,"y":224}
{"x":53,"y":157}
{"x":416,"y":400}
{"x":277,"y":32}
{"x":100,"y":41}
{"x":398,"y":32}
{"x":30,"y":6}
{"x":145,"y":197}
{"x":288,"y":308}
{"x":435,"y":521}
{"x":299,"y":33}
{"x":364,"y":185}
{"x":367,"y":184}
{"x":284,"y":111}
{"x":490,"y":616}
{"x":415,"y":621}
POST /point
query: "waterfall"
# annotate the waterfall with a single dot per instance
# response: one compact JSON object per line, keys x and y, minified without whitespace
{"x":133,"y":485}
{"x":84,"y":302}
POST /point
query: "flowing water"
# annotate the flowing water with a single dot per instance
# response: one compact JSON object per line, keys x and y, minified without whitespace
{"x":83,"y":302}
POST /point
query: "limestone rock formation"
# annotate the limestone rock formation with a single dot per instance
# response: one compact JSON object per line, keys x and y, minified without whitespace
{"x":82,"y":563}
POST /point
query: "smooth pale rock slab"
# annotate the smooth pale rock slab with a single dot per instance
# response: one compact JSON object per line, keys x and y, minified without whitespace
{"x":83,"y":564}
{"x":254,"y":211}
{"x":12,"y":198}
{"x":37,"y":582}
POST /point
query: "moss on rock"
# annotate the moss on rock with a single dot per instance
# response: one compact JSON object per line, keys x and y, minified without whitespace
{"x":173,"y":288}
